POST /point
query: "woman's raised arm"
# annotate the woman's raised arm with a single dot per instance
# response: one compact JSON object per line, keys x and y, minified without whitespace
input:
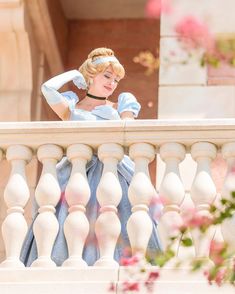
{"x":55,"y":99}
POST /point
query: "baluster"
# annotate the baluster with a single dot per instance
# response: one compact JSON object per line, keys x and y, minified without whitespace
{"x":77,"y":194}
{"x":172,"y":193}
{"x":203,"y":194}
{"x":47,"y":195}
{"x":140,"y":193}
{"x":109,"y":193}
{"x":16,"y":196}
{"x":228,"y":225}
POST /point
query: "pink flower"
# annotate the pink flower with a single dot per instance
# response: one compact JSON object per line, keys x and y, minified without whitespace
{"x":216,"y":250}
{"x":126,"y":261}
{"x":157,"y":200}
{"x":216,"y":246}
{"x":218,"y":278}
{"x":194,"y":33}
{"x":62,"y":197}
{"x":192,"y":219}
{"x":199,"y":221}
{"x":131,"y":286}
{"x":149,"y":283}
{"x":112,"y":288}
{"x":154,"y":8}
{"x":153,"y":276}
{"x":232,"y":171}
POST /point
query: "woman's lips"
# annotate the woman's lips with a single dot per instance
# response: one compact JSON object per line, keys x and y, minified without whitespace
{"x":108,"y":88}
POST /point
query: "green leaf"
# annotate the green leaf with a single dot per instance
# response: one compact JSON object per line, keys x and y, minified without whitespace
{"x":187,"y":242}
{"x":203,"y":62}
{"x":213,"y":208}
{"x":233,"y":193}
{"x":232,"y":62}
{"x":213,"y":61}
{"x":224,"y":201}
{"x":197,"y":264}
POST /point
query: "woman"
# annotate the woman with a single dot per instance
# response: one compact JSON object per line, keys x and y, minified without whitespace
{"x":99,"y":75}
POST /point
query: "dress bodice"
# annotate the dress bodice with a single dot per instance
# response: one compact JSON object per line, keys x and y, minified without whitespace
{"x":126,"y":102}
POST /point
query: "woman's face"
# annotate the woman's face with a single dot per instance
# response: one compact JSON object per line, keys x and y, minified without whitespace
{"x":104,"y":83}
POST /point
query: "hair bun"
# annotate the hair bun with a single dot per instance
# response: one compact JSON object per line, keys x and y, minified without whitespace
{"x":99,"y":52}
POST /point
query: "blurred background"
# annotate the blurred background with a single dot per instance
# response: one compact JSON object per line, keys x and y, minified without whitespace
{"x":42,"y":38}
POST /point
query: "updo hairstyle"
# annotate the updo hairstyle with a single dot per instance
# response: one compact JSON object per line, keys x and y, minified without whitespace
{"x":90,"y":70}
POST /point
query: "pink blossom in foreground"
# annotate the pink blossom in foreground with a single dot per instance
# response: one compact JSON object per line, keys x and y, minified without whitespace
{"x":126,"y":261}
{"x":154,"y":8}
{"x":112,"y":288}
{"x":149,"y":283}
{"x":194,"y":33}
{"x":192,"y":219}
{"x":62,"y":197}
{"x":216,"y":250}
{"x":130,"y":286}
{"x":218,"y":278}
{"x":232,"y":170}
{"x":198,"y":221}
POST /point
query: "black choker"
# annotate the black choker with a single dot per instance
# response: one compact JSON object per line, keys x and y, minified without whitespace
{"x":96,"y":97}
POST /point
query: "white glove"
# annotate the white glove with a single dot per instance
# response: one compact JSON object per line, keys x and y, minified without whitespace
{"x":80,"y":82}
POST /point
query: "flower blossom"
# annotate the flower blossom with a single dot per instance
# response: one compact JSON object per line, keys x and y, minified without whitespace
{"x":149,"y":283}
{"x":217,"y":277}
{"x":192,"y":219}
{"x":216,"y":252}
{"x":112,"y":288}
{"x":154,"y":8}
{"x":194,"y":33}
{"x":126,"y":261}
{"x":131,"y":286}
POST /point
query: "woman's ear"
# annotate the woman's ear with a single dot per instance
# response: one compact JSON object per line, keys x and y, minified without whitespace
{"x":90,"y":82}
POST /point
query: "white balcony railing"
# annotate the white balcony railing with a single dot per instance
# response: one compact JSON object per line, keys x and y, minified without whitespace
{"x":141,"y":139}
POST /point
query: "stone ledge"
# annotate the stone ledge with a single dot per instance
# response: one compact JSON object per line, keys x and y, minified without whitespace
{"x":98,"y":280}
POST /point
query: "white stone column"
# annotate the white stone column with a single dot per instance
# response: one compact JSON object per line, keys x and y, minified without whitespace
{"x":203,"y":194}
{"x":47,"y":195}
{"x":77,"y":195}
{"x":140,"y":193}
{"x":172,"y":193}
{"x":227,"y":227}
{"x":16,"y":83}
{"x":16,"y":196}
{"x":109,"y":194}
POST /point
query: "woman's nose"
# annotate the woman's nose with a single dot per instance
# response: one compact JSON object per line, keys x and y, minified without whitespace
{"x":112,"y":81}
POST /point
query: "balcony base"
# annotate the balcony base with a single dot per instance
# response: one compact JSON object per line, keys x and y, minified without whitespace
{"x":98,"y":280}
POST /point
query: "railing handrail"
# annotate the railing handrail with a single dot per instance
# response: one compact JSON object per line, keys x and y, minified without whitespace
{"x":124,"y":132}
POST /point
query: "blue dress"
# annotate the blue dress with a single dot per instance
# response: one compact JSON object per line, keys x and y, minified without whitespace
{"x":126,"y":102}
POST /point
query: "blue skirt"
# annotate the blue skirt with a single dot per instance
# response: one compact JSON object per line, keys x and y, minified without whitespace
{"x":91,"y":251}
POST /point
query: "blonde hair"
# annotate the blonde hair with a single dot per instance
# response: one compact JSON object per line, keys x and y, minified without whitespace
{"x":90,"y":70}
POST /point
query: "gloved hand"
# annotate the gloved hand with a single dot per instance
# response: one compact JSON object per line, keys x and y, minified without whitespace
{"x":80,"y":82}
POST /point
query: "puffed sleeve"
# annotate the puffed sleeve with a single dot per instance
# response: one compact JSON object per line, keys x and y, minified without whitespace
{"x":128,"y":102}
{"x":71,"y":98}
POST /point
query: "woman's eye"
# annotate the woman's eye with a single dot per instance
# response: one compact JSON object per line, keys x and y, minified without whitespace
{"x":109,"y":77}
